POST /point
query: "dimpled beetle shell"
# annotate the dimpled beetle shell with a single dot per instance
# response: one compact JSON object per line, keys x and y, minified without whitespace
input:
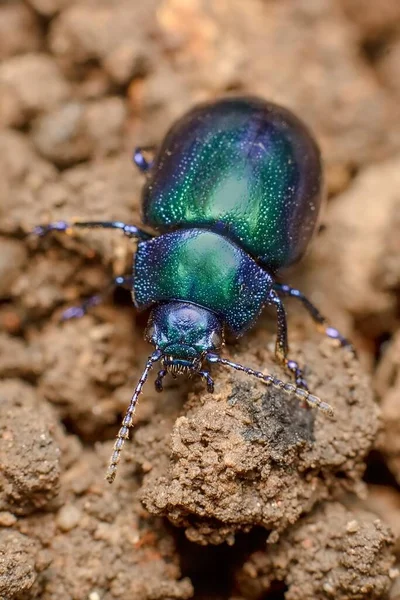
{"x":245,"y":169}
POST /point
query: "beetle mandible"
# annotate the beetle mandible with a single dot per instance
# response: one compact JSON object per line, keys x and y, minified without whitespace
{"x":233,"y":193}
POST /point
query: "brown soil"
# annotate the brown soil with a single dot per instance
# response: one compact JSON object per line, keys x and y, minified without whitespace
{"x":238,"y":495}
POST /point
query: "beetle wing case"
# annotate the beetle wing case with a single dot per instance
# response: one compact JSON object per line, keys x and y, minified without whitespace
{"x":242,"y":167}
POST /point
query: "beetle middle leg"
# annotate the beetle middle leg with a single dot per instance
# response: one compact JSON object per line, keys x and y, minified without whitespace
{"x":76,"y":312}
{"x":317,"y":317}
{"x":282,"y":346}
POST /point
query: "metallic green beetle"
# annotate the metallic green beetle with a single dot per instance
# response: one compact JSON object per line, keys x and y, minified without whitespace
{"x":233,"y":194}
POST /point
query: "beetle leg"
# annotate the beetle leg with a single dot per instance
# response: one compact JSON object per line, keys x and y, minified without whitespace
{"x":210,"y":383}
{"x":317,"y":317}
{"x":282,"y":346}
{"x":139,"y":158}
{"x":158,"y":382}
{"x":76,"y":312}
{"x":130,"y":231}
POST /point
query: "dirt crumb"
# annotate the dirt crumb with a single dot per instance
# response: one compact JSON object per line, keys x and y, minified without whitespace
{"x":19,"y":30}
{"x":385,"y":503}
{"x":12,"y":261}
{"x":17,"y":565}
{"x":29,"y":453}
{"x":373,"y":20}
{"x":21,"y":97}
{"x":78,"y":36}
{"x":75,"y":131}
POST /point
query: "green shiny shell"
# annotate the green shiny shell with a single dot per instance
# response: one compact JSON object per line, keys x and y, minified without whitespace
{"x":204,"y":268}
{"x":244,"y":168}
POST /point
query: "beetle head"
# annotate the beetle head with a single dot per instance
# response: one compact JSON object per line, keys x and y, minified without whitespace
{"x":184,"y":333}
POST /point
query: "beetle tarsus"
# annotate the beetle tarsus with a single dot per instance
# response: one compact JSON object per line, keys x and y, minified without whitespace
{"x":158,"y":382}
{"x":76,"y":312}
{"x":294,"y":368}
{"x":42,"y":230}
{"x":139,"y":158}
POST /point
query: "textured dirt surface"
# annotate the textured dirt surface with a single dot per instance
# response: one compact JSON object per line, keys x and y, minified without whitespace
{"x":333,"y":553}
{"x":238,"y":495}
{"x":91,"y":541}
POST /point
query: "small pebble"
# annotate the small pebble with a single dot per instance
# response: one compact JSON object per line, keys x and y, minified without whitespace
{"x":352,"y":527}
{"x":43,"y":560}
{"x":273,"y":537}
{"x":7,"y":519}
{"x":328,"y":588}
{"x":68,"y":517}
{"x":146,"y":466}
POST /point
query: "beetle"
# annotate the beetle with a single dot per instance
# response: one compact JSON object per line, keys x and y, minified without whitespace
{"x":233,"y":194}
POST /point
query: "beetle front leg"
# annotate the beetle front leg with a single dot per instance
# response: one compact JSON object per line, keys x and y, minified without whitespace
{"x":282,"y":346}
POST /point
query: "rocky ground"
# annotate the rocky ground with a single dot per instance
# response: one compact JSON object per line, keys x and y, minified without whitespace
{"x":241,"y":494}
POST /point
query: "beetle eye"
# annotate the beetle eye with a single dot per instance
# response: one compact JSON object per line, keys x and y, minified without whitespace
{"x":216,"y":339}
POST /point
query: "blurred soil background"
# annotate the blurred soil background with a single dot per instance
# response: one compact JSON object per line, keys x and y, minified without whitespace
{"x":243,"y":494}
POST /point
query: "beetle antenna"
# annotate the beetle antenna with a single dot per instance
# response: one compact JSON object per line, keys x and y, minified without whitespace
{"x":123,"y":433}
{"x":289,"y":388}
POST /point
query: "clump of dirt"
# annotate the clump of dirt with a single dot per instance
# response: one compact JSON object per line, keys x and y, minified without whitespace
{"x":29,"y":452}
{"x":247,"y":455}
{"x":81,"y":84}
